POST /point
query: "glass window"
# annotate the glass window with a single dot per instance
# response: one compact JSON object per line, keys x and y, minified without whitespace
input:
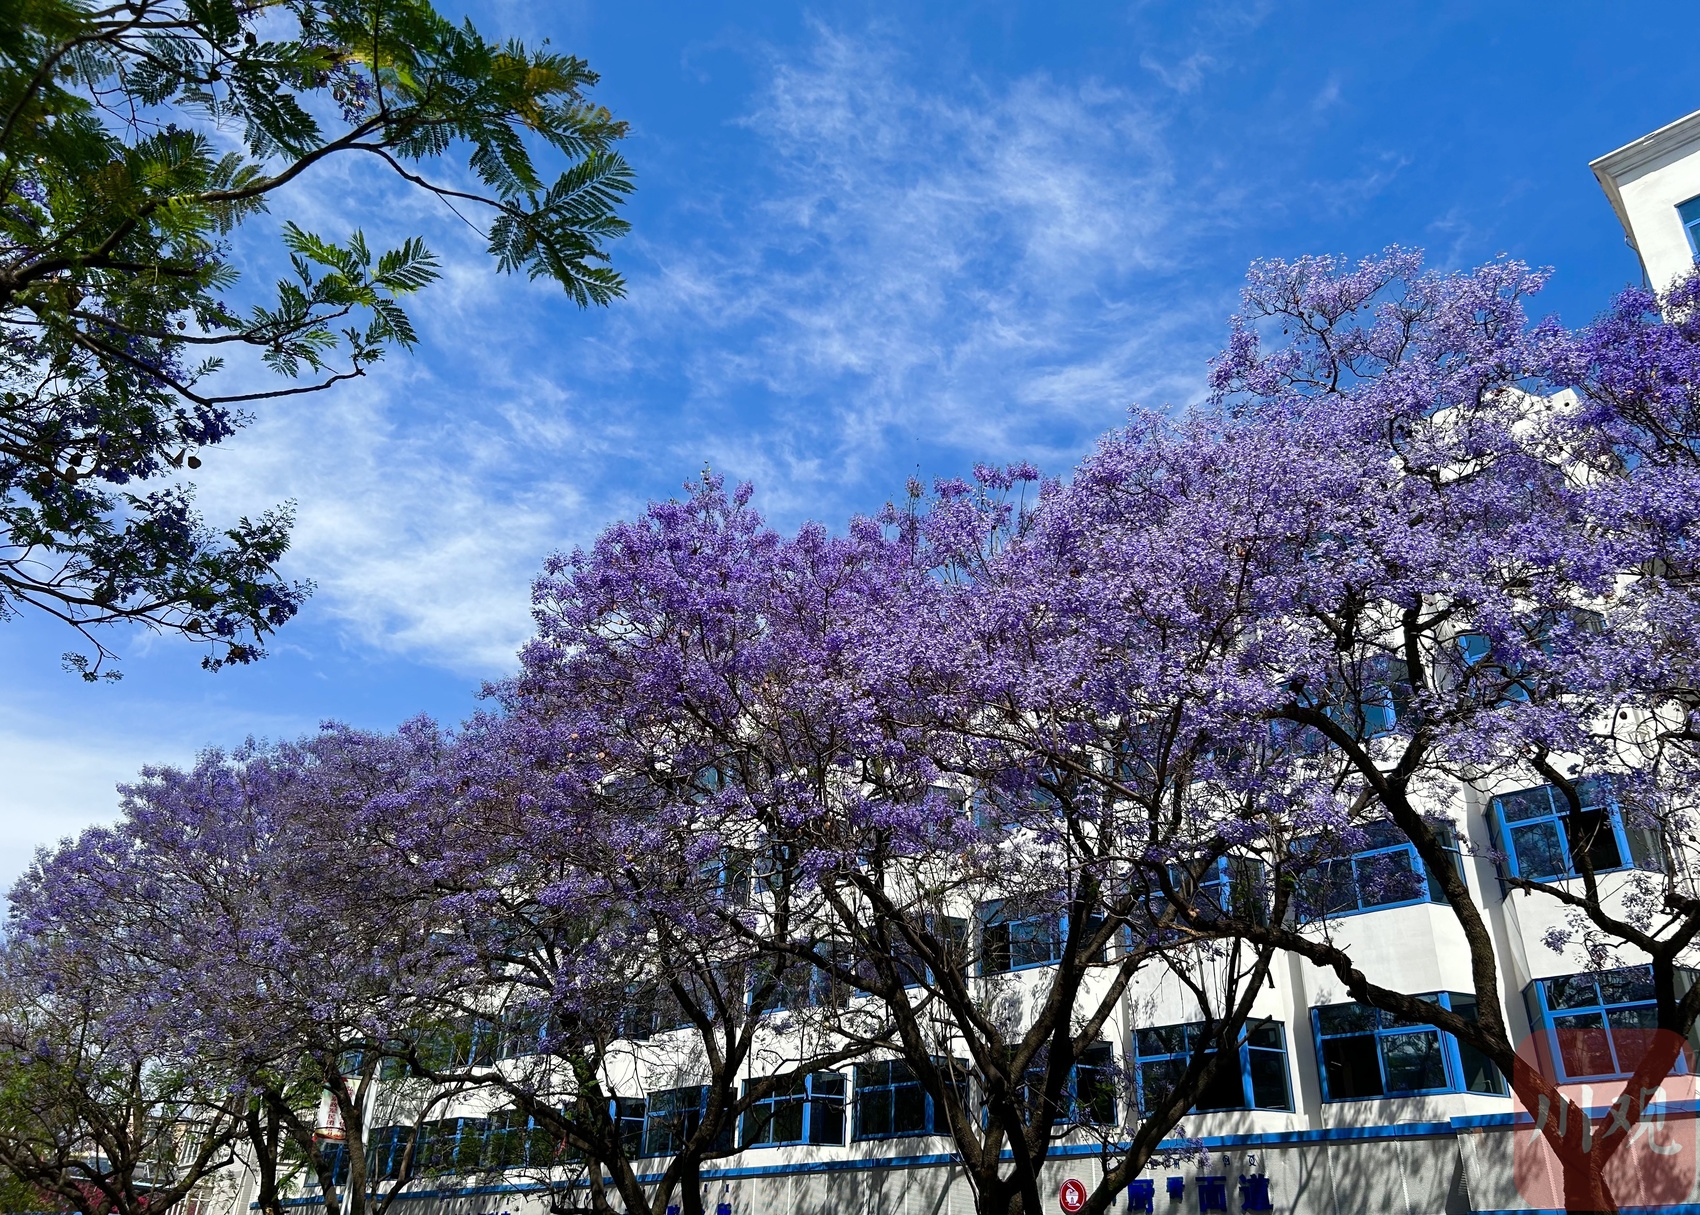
{"x":464,"y":1042}
{"x":335,"y":1155}
{"x":1478,"y":1072}
{"x":1543,"y":840}
{"x":800,"y":985}
{"x":1017,"y":933}
{"x":705,"y":991}
{"x":1381,"y":699}
{"x":1365,"y":1052}
{"x":630,"y":1115}
{"x":1547,"y":632}
{"x":636,"y":1019}
{"x":1259,"y":1082}
{"x":1235,"y":884}
{"x":950,"y":931}
{"x":515,"y":1140}
{"x":726,"y":876}
{"x":1597,"y":1025}
{"x":1088,"y":1096}
{"x":890,"y":1100}
{"x":386,"y":1149}
{"x":1689,"y":214}
{"x":673,"y":1116}
{"x":450,"y":1145}
{"x":521,"y":1033}
{"x":808,"y":1110}
{"x":1387,"y":872}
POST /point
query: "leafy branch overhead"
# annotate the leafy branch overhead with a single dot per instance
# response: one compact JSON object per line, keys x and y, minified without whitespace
{"x":135,"y":141}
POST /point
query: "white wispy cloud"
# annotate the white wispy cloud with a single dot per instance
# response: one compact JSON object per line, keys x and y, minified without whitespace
{"x":968,"y":266}
{"x":1182,"y":75}
{"x":908,"y":274}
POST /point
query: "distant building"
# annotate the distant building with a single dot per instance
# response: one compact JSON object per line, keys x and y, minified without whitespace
{"x":1654,"y":186}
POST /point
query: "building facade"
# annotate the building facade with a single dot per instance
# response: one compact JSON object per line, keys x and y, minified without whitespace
{"x":1333,"y":1109}
{"x":1654,"y":186}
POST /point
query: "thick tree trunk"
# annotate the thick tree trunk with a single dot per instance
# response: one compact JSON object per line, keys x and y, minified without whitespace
{"x":996,"y":1196}
{"x":690,"y":1187}
{"x":264,"y":1134}
{"x":1585,"y":1188}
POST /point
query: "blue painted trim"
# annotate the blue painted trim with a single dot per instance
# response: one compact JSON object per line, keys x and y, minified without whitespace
{"x":1687,"y":1208}
{"x":1524,"y":1118}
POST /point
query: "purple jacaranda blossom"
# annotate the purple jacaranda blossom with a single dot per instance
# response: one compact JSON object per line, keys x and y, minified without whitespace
{"x":259,"y":913}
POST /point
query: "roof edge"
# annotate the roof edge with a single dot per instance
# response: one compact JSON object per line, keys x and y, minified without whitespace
{"x":1615,"y":164}
{"x":1647,"y":148}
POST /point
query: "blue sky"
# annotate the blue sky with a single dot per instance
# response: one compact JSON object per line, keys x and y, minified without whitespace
{"x":869,"y":240}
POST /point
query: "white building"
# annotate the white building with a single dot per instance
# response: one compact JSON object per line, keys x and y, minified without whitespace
{"x":1335,"y":1111}
{"x":1654,"y":186}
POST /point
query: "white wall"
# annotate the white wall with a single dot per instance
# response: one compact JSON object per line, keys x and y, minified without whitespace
{"x":1645,"y":182}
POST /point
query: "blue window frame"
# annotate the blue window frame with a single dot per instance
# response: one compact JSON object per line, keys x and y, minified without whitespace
{"x":386,"y":1149}
{"x":629,"y":1114}
{"x":515,"y":1140}
{"x":1088,"y":1097}
{"x":1018,"y":933}
{"x":1161,"y":1056}
{"x":1541,"y":839}
{"x":1366,"y":703}
{"x":950,"y":931}
{"x":1364,"y":1052}
{"x":637,"y":1018}
{"x":1543,"y":632}
{"x":722,"y":982}
{"x":999,"y":811}
{"x":673,"y":1116}
{"x":463,"y":1042}
{"x":1386,"y":873}
{"x":1597,"y":1026}
{"x":451,"y":1145}
{"x":801,"y":985}
{"x":892,"y":1101}
{"x":726,"y":876}
{"x":1014,"y":935}
{"x":1689,"y":214}
{"x":335,"y":1154}
{"x":521,"y":1032}
{"x":810,"y":1109}
{"x":1233,"y":883}
{"x":1475,"y":647}
{"x":989,"y":812}
{"x":1383,"y":697}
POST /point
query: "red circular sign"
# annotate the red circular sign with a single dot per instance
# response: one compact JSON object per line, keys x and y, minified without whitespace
{"x":1072,"y":1196}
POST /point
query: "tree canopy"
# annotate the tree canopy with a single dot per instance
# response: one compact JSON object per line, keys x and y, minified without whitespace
{"x":139,"y":143}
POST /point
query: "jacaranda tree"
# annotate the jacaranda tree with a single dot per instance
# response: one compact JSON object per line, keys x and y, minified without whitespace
{"x":255,"y":915}
{"x":861,"y":717}
{"x":1450,"y":549}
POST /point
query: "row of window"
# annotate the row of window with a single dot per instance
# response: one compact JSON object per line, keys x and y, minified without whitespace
{"x":1592,"y":1026}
